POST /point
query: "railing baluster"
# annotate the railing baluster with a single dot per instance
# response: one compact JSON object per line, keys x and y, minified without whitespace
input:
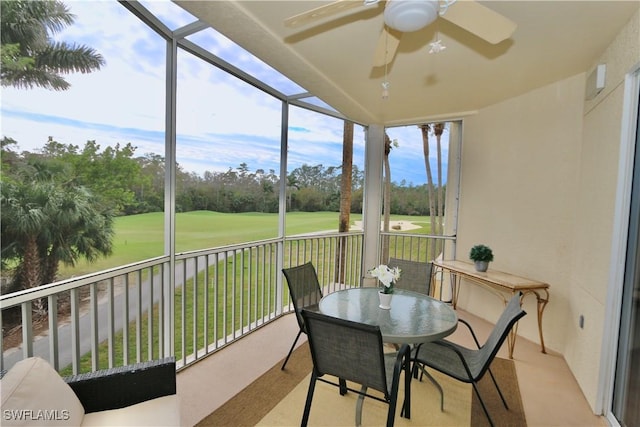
{"x":251,"y":285}
{"x":271,"y":274}
{"x":125,"y":321}
{"x":27,"y":329}
{"x":161,"y":313}
{"x":75,"y":331}
{"x":215,"y":300}
{"x":150,"y":314}
{"x":52,"y":304}
{"x":233,"y":294}
{"x":224,"y":296}
{"x":241,"y":299}
{"x":2,"y":368}
{"x":194,"y":339}
{"x":93,"y":313}
{"x":183,"y":314}
{"x":111,"y":323}
{"x":259,"y":287}
{"x":139,"y":318}
{"x":205,"y":306}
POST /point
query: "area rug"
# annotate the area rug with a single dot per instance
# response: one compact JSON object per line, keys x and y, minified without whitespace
{"x":277,"y":399}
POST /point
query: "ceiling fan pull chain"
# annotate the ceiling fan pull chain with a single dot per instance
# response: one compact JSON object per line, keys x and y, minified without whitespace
{"x":385,"y":83}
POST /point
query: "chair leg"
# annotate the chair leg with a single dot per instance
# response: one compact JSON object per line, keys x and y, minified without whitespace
{"x":405,"y":411}
{"x":343,"y":386}
{"x":433,"y":381}
{"x":498,"y":388}
{"x":307,"y":405}
{"x":406,"y":405}
{"x":359,"y":403}
{"x":391,"y":413}
{"x":291,"y":350}
{"x":486,"y":412}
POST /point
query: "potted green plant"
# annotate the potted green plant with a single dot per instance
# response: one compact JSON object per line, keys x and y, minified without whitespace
{"x":481,"y":255}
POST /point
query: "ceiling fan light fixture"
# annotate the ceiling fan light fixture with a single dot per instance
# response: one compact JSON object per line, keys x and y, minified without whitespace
{"x":410,"y":15}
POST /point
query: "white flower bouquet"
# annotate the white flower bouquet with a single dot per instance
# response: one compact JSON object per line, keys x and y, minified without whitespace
{"x":387,"y":276}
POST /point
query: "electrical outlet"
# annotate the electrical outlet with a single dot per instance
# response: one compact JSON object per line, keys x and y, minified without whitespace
{"x":581,"y":322}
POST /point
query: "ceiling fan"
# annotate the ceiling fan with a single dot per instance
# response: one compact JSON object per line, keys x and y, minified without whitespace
{"x":402,"y":16}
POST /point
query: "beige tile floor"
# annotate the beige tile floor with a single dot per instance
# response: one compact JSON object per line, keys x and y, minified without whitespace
{"x":550,"y":393}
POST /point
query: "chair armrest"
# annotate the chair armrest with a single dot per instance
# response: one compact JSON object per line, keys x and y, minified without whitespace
{"x":464,"y":322}
{"x":473,"y":334}
{"x":403,"y":358}
{"x":124,"y":385}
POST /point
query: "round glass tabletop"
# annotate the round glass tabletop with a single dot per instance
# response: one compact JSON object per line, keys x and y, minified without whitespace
{"x":412,"y":318}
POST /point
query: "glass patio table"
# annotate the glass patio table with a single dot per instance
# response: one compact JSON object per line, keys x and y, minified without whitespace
{"x":412,"y":319}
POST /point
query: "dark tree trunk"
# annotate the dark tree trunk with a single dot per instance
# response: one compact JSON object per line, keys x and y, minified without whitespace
{"x":345,"y":199}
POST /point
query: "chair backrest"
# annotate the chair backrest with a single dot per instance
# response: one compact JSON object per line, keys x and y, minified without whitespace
{"x":414,"y":276}
{"x":349,"y":350}
{"x":511,"y":314}
{"x":304,"y":288}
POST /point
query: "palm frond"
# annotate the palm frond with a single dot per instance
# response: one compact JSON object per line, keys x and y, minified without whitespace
{"x":63,"y":58}
{"x":28,"y":79}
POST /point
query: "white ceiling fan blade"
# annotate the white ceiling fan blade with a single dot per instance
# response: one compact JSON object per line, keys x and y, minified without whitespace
{"x":387,"y":45}
{"x":480,"y":20}
{"x":321,"y":12}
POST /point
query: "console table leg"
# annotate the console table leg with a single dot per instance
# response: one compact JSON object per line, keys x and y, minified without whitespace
{"x":455,"y":289}
{"x":542,"y":303}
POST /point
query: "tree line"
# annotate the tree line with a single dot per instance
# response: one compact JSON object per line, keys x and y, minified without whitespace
{"x":58,"y":202}
{"x":128,"y":184}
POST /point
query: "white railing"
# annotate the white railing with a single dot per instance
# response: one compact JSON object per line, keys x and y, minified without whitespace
{"x":220,"y":294}
{"x":416,"y":247}
{"x":125,"y":314}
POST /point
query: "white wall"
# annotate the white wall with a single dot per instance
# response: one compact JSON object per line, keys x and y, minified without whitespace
{"x":538,"y":185}
{"x":520,"y":176}
{"x":599,"y":171}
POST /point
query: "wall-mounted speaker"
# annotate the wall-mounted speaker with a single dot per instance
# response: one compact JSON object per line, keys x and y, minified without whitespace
{"x":595,"y":81}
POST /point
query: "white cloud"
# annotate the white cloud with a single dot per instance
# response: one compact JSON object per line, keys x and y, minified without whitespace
{"x":222,"y":121}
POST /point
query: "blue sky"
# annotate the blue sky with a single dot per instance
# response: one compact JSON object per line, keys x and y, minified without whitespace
{"x":222,"y":122}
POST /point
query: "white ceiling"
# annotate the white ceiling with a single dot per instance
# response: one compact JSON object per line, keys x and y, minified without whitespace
{"x":332,"y":58}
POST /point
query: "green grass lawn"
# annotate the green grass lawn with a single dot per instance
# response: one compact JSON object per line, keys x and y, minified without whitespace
{"x":140,"y":237}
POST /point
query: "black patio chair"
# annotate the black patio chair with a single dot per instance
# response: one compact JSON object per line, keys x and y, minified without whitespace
{"x":415,"y":275}
{"x":470,"y":365}
{"x":305,"y":292}
{"x":353,"y":351}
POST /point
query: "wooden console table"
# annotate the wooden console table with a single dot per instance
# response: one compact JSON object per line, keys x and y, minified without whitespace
{"x":500,"y":283}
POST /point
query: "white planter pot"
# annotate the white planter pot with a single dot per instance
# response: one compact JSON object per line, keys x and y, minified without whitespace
{"x":385,"y":300}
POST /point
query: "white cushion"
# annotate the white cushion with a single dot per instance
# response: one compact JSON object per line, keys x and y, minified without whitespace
{"x":162,"y":411}
{"x":34,"y":394}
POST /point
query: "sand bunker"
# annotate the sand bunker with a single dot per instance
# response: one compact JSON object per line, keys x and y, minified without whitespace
{"x":393,"y":225}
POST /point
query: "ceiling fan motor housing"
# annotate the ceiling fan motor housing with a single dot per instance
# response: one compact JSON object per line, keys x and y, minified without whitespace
{"x":410,"y":15}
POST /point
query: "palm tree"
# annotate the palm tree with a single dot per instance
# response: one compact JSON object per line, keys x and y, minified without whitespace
{"x":424,"y":129}
{"x":29,"y":55}
{"x":292,"y":184}
{"x":45,"y":222}
{"x":386,"y":196}
{"x":345,"y":197}
{"x":79,"y":229}
{"x":438,"y":130}
{"x":436,"y":201}
{"x":24,"y":215}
